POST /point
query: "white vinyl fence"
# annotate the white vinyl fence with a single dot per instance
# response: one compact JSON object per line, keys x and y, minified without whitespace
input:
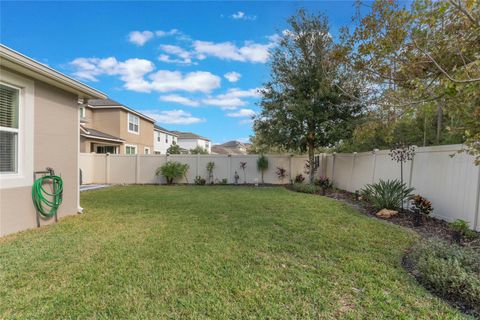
{"x":127,"y":169}
{"x":452,"y":183}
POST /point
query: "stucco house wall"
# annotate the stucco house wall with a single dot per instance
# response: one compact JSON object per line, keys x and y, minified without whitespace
{"x":193,"y":143}
{"x":160,"y":143}
{"x":54,"y":117}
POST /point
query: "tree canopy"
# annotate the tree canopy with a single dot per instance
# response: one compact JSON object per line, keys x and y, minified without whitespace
{"x":311,"y":98}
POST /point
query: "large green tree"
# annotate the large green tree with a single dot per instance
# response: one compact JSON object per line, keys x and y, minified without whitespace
{"x":311,"y":98}
{"x":422,"y":63}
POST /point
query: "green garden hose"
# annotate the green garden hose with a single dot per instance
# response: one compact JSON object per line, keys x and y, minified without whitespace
{"x":43,"y":199}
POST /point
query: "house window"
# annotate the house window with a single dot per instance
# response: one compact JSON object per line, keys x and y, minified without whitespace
{"x":107,"y":149}
{"x":9,"y":128}
{"x":158,"y":136}
{"x":130,"y":150}
{"x":82,"y":112}
{"x":133,"y":123}
{"x":146,"y":150}
{"x":206,"y":145}
{"x":166,"y":138}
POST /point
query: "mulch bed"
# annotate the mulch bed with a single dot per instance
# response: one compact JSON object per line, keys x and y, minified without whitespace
{"x":431,"y":227}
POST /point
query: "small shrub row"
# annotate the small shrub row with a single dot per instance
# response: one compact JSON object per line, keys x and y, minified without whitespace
{"x":305,"y":188}
{"x":449,"y":270}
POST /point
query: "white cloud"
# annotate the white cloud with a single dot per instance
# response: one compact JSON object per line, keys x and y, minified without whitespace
{"x":140,"y":37}
{"x":202,"y":81}
{"x":232,"y":76}
{"x":180,"y":100}
{"x":232,"y":99}
{"x":250,"y":52}
{"x":134,"y":71}
{"x":240,"y":15}
{"x":185,"y":57}
{"x":178,"y":116}
{"x":131,"y":71}
{"x":242,"y":113}
{"x":161,"y":33}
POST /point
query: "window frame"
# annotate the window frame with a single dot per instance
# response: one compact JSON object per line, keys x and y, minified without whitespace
{"x":131,"y":146}
{"x":128,"y":123}
{"x":146,"y":150}
{"x":82,"y":113}
{"x":23,"y":176}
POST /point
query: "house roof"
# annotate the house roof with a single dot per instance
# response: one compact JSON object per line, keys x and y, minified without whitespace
{"x":233,"y":144}
{"x":158,"y":128}
{"x":96,"y":134}
{"x":112,"y":104}
{"x":189,"y":135}
{"x":14,"y":60}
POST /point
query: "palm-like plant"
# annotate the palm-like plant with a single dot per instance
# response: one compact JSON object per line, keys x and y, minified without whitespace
{"x":262,"y":164}
{"x":171,"y":170}
{"x":388,"y":194}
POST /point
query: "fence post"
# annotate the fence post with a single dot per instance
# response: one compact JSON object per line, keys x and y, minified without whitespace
{"x":333,"y":166}
{"x":197,"y":164}
{"x":290,"y":168}
{"x":229,"y":168}
{"x":107,"y":168}
{"x":137,"y":168}
{"x":476,"y":222}
{"x":374,"y":163}
{"x":351,"y":172}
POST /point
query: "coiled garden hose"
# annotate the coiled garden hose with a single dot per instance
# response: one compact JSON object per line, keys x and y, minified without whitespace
{"x":47,"y":203}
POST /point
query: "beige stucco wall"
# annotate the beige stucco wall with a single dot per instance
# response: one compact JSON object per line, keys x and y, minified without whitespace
{"x":55,"y":145}
{"x":114,"y":121}
{"x":143,"y":139}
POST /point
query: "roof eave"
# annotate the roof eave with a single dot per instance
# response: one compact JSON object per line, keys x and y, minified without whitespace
{"x":16,"y":61}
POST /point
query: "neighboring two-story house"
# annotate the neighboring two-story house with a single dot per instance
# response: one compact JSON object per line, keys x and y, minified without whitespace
{"x":107,"y":126}
{"x":163,"y":139}
{"x":189,"y":141}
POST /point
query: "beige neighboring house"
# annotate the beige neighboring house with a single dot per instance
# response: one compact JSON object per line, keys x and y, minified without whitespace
{"x":189,"y":141}
{"x":107,"y":126}
{"x":39,"y":128}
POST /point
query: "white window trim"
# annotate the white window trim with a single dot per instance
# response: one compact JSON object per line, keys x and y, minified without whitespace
{"x":146,"y":149}
{"x":131,"y":146}
{"x":26,"y":121}
{"x":128,"y":123}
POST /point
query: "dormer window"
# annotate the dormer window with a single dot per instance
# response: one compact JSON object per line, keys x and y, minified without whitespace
{"x":133,"y":123}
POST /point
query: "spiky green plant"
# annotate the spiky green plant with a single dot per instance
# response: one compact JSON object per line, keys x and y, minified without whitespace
{"x":388,"y":194}
{"x":172,"y":170}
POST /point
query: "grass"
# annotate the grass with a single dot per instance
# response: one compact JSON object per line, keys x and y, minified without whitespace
{"x":149,"y":252}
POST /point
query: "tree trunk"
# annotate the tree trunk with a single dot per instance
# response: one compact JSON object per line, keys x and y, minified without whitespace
{"x":311,"y":160}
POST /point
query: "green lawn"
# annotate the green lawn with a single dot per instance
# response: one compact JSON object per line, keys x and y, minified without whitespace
{"x":150,"y":252}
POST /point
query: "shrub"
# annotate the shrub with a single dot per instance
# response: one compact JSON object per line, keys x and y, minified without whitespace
{"x":324,"y":183}
{"x":198,"y":150}
{"x":224,"y":181}
{"x":421,"y":207}
{"x":199,"y":180}
{"x":210,"y":166}
{"x":281,"y":173}
{"x":262,"y":164}
{"x":306,"y":188}
{"x":172,"y":170}
{"x":449,"y":270}
{"x":461,"y":231}
{"x":299,"y":178}
{"x":173,"y":149}
{"x":388,"y":194}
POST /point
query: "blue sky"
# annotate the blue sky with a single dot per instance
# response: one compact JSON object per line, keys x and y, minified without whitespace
{"x":193,"y":66}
